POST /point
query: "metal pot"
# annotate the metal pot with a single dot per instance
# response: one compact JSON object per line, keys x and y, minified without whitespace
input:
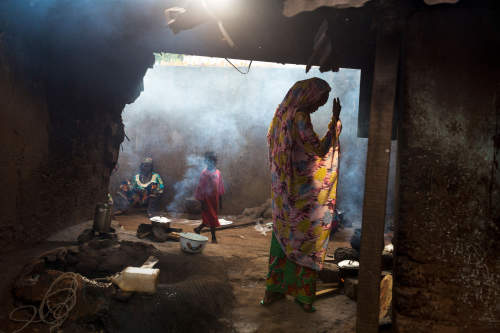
{"x":192,"y":206}
{"x":348,"y":268}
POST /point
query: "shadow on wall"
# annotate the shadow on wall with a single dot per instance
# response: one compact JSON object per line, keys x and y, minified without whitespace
{"x":186,"y":110}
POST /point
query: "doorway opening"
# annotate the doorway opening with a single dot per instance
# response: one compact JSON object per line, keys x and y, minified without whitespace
{"x":191,"y":105}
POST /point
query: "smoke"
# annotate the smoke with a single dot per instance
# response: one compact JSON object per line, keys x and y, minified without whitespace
{"x":186,"y":187}
{"x":350,"y":190}
{"x":187,"y":110}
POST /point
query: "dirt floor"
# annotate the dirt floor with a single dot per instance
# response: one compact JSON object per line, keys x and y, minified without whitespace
{"x":245,"y":254}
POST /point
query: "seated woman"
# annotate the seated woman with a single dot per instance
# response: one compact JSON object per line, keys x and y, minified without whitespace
{"x":147,"y":187}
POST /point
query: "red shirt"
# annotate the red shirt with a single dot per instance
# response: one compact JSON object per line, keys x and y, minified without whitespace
{"x":209,"y":189}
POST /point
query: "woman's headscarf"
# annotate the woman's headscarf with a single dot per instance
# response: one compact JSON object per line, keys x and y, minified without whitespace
{"x":147,"y":162}
{"x":304,"y":94}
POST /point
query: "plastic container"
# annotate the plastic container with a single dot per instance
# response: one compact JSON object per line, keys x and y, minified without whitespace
{"x":137,"y":279}
{"x":192,"y":243}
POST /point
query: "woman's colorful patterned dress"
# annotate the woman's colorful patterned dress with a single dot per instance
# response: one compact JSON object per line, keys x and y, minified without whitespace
{"x":304,"y":182}
{"x":143,"y":190}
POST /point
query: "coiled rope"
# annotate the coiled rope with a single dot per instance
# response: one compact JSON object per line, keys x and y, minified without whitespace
{"x":51,"y":312}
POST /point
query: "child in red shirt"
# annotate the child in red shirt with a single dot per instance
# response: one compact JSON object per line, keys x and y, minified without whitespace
{"x":209,"y":192}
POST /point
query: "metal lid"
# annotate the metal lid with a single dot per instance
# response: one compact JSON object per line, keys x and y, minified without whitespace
{"x":193,"y":236}
{"x":348,"y":264}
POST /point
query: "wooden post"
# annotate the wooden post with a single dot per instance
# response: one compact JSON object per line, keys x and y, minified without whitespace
{"x":377,"y":170}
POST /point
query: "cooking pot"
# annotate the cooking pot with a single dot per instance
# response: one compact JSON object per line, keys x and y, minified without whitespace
{"x":192,"y":206}
{"x":348,"y":268}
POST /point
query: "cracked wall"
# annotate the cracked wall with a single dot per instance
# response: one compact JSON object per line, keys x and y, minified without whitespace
{"x":447,"y":268}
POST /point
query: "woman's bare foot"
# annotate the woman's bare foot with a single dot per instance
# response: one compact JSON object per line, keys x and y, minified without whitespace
{"x":307,"y":307}
{"x":271,"y":297}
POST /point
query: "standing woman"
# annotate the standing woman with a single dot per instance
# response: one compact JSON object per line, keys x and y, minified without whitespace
{"x":209,"y":192}
{"x":304,"y":184}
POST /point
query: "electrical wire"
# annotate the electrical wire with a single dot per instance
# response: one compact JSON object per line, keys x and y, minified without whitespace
{"x":248,"y":69}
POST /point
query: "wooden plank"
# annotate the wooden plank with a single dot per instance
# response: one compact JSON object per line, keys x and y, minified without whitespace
{"x":232,"y":226}
{"x":327,"y":285}
{"x":377,"y":170}
{"x":325,"y":292}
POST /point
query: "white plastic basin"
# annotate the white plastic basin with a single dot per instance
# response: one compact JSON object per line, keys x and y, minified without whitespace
{"x":192,"y":243}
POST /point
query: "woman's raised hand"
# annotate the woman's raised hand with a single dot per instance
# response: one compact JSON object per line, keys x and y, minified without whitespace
{"x":336,"y":109}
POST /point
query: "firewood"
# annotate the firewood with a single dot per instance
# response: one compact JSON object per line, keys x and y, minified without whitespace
{"x":143,"y":235}
{"x":325,"y":292}
{"x":173,"y":236}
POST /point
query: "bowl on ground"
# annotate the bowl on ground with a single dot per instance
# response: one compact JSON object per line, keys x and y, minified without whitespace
{"x":192,"y":243}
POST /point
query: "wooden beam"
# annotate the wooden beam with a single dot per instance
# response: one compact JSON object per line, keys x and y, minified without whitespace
{"x":377,"y":171}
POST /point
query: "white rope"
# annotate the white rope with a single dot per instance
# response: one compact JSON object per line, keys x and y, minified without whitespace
{"x":27,"y":322}
{"x":52,"y":313}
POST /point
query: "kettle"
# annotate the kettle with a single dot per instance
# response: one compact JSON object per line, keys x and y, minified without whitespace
{"x":102,"y":218}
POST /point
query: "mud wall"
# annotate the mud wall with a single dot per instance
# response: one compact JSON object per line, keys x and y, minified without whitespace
{"x":55,"y":164}
{"x":447,"y":267}
{"x":23,"y":153}
{"x":60,"y":114}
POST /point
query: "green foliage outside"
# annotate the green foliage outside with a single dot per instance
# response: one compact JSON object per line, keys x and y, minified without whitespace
{"x":168,"y":57}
